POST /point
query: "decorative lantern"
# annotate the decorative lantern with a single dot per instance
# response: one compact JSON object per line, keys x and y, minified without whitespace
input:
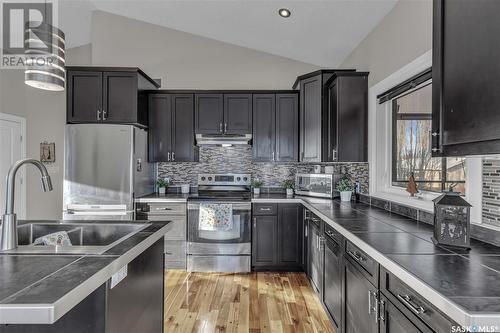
{"x":451,"y":220}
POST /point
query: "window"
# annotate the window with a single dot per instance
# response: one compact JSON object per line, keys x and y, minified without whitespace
{"x":411,"y":146}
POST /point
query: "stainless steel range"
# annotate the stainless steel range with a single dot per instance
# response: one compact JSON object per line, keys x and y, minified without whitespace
{"x":219,"y":224}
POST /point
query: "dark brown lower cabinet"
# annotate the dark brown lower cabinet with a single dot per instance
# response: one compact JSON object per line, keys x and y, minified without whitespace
{"x":360,"y":298}
{"x":277,"y":238}
{"x":392,"y":320}
{"x":332,"y":281}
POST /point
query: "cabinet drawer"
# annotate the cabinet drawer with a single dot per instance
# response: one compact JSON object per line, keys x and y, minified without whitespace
{"x":316,"y":220}
{"x":175,"y":251}
{"x":178,"y":230}
{"x":333,"y":234}
{"x":265,"y":209}
{"x":362,"y":261}
{"x":162,"y":208}
{"x":409,"y":301}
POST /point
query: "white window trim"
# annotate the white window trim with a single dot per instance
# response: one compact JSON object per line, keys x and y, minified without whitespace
{"x":380,"y":149}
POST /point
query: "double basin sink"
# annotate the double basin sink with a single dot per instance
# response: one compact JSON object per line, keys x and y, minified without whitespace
{"x":86,"y":238}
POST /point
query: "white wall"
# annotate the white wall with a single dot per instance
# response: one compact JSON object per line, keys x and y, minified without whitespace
{"x":45,"y":114}
{"x":186,"y":61}
{"x":401,"y":37}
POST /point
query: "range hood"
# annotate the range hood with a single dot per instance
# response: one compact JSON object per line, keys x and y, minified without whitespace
{"x":223,"y":140}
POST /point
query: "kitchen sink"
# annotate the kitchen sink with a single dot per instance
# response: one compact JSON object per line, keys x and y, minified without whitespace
{"x":86,"y":238}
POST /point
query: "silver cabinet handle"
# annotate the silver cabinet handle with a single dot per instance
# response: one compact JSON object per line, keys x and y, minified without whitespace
{"x":273,"y":155}
{"x":98,"y":114}
{"x":168,"y":157}
{"x":255,"y":222}
{"x":358,"y":257}
{"x":373,"y":307}
{"x":370,"y":308}
{"x":225,"y":127}
{"x":220,"y":127}
{"x":406,"y":299}
{"x":173,"y":156}
{"x":104,"y":115}
{"x":306,"y":230}
{"x":265,"y":209}
{"x":382,"y":311}
{"x":334,"y":154}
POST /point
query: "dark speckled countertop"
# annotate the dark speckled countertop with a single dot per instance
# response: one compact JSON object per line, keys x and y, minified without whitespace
{"x":463,"y":284}
{"x":41,"y":282}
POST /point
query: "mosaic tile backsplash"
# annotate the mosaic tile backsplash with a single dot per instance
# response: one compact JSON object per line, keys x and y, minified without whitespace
{"x":239,"y":160}
{"x":491,"y":191}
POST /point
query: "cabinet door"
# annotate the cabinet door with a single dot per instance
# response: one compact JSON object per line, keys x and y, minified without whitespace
{"x":160,"y":127}
{"x":310,"y":116}
{"x":331,"y":142}
{"x":287,"y":128}
{"x":84,"y":97}
{"x":120,"y":97}
{"x":394,"y":321}
{"x":290,"y":235}
{"x":183,"y":128}
{"x":209,"y":112}
{"x":359,"y":316}
{"x":315,"y":260}
{"x":237,"y":113}
{"x":352,"y":119}
{"x":264,"y":111}
{"x":332,"y":295}
{"x":264,"y":241}
{"x":464,"y":78}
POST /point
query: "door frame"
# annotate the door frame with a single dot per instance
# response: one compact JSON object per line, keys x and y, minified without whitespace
{"x":22,"y":123}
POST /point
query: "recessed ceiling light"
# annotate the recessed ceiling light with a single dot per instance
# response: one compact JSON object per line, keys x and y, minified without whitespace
{"x":284,"y":12}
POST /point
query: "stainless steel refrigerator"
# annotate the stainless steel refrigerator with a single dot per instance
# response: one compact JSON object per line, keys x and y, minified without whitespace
{"x":105,"y":168}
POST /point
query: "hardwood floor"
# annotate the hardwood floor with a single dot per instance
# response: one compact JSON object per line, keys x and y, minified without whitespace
{"x":254,"y":302}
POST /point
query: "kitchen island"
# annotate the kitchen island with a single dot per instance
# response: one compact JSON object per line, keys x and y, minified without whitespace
{"x":119,"y":289}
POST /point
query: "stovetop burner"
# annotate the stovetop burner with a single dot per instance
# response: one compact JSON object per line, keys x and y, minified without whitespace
{"x":223,"y":187}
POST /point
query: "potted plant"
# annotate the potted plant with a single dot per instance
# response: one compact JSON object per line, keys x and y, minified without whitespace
{"x":289,"y":185}
{"x":162,"y":184}
{"x":345,"y":187}
{"x":256,"y":185}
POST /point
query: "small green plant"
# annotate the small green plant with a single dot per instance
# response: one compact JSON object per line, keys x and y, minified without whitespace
{"x":344,"y":185}
{"x":162,"y":183}
{"x":256,"y":183}
{"x":289,"y":183}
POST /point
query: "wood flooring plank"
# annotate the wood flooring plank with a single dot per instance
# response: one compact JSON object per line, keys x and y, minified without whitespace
{"x":260,"y":302}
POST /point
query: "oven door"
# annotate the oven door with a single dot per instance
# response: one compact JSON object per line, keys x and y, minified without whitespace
{"x":239,"y":233}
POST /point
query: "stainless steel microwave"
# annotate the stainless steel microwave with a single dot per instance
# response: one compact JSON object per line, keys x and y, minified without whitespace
{"x":317,"y":184}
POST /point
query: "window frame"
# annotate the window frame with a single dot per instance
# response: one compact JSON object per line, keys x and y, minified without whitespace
{"x":414,"y":116}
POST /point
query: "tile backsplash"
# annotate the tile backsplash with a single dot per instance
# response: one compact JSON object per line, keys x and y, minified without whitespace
{"x":239,"y":160}
{"x":491,"y":191}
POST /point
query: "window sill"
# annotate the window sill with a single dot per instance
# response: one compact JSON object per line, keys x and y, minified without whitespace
{"x":422,"y":203}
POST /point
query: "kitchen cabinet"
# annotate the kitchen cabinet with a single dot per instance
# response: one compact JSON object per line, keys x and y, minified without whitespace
{"x":346,"y":136}
{"x":171,"y":132}
{"x":332,"y":280}
{"x":315,"y":119}
{"x":218,"y":113}
{"x":277,"y":237}
{"x":237,"y":113}
{"x":276,"y":127}
{"x":360,"y":302}
{"x":392,"y":320}
{"x":107,"y":95}
{"x":264,"y":241}
{"x":315,"y":253}
{"x":466,"y":91}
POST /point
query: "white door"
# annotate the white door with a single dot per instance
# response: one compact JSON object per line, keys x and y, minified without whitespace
{"x":12,"y":149}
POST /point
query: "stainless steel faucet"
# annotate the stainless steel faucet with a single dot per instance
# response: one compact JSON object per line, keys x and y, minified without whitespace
{"x":8,"y":237}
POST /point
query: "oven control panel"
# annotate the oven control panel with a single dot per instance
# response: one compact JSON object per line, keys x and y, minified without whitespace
{"x":231,"y":179}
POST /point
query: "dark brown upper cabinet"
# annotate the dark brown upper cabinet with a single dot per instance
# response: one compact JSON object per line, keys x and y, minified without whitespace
{"x":107,"y":95}
{"x":276,"y":127}
{"x":171,"y":128}
{"x":465,"y":72}
{"x":314,"y":114}
{"x":345,"y":139}
{"x":223,"y":113}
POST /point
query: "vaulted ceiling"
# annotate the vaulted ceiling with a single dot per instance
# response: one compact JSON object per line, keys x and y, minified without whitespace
{"x":322,"y":32}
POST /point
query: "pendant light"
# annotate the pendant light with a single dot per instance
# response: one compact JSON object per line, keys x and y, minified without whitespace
{"x":46,"y":58}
